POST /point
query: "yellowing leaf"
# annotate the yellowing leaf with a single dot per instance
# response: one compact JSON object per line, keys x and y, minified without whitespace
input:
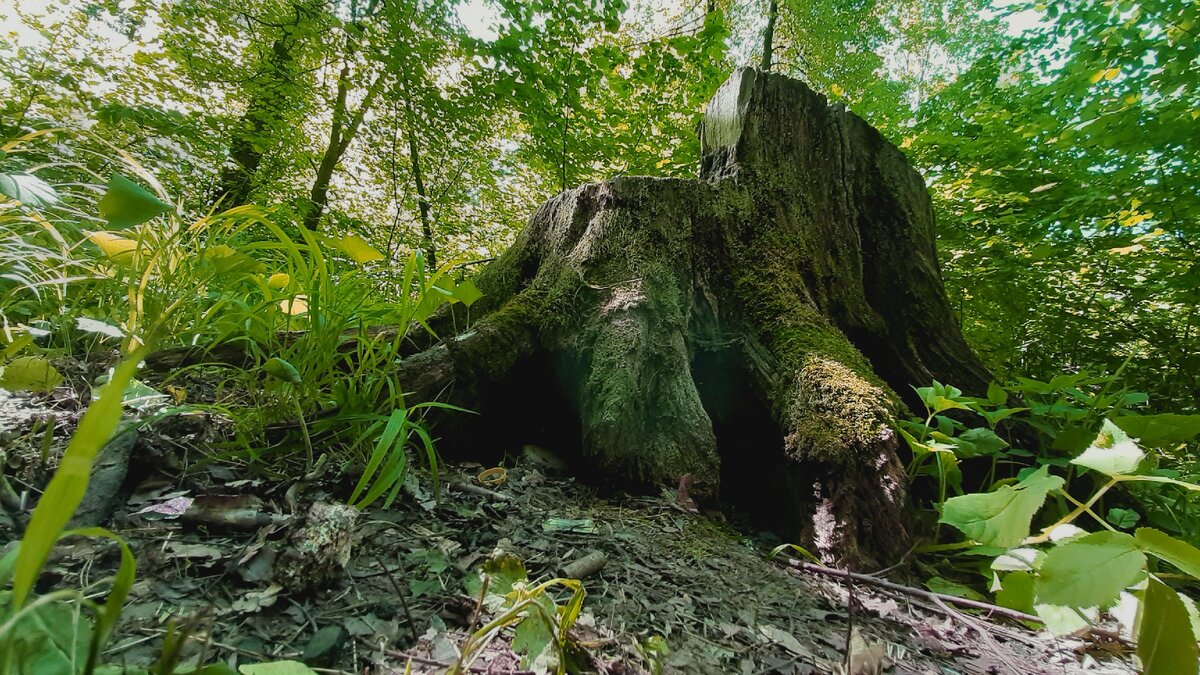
{"x":1112,"y":73}
{"x":112,"y":245}
{"x":294,"y":306}
{"x":837,"y":90}
{"x":1126,"y":250}
{"x":358,"y":249}
{"x":279,"y":280}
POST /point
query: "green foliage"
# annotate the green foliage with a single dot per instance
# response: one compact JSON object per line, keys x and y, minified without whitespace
{"x":1166,"y":643}
{"x":1064,"y":574}
{"x":1062,"y":163}
{"x":1001,"y":518}
{"x":32,"y":633}
{"x":541,"y":623}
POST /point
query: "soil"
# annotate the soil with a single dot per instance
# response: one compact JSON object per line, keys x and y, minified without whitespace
{"x":679,"y":591}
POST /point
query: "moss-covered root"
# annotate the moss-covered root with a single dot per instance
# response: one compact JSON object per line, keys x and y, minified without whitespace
{"x":836,"y":427}
{"x":859,"y":519}
{"x":641,"y":413}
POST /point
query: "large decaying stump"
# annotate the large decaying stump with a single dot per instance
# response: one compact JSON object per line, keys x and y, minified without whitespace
{"x":751,"y":328}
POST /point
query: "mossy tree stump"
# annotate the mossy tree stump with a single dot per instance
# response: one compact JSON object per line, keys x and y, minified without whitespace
{"x":750,"y":328}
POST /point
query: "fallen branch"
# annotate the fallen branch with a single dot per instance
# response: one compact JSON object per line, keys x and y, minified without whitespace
{"x":938,"y":598}
{"x":919,"y":592}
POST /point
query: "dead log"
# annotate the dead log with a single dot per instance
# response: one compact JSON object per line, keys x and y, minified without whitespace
{"x":752,"y":328}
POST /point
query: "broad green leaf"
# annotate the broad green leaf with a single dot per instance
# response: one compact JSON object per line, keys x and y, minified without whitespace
{"x":1061,"y":620}
{"x":28,"y":189}
{"x":994,"y":417}
{"x":503,"y":570}
{"x":58,"y":635}
{"x":1016,"y":592}
{"x":226,"y":259}
{"x":276,"y":668}
{"x":1112,"y":453}
{"x":1090,"y":571}
{"x":1179,"y":553}
{"x":534,"y":636}
{"x":1123,"y":518}
{"x":467,"y":293}
{"x":282,"y":370}
{"x":1001,"y":518}
{"x":953,"y":588}
{"x":1160,"y":430}
{"x":126,"y":203}
{"x":67,"y":486}
{"x":358,"y":249}
{"x":1166,"y":645}
{"x":979,"y":442}
{"x":942,"y":404}
{"x":29,"y":373}
{"x":996,"y":394}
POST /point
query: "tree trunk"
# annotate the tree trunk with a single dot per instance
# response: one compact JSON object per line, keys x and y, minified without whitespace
{"x":752,"y":328}
{"x":414,"y":156}
{"x":265,"y":115}
{"x":769,"y":36}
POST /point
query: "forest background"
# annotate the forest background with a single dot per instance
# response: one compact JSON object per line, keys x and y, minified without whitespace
{"x":1059,"y":140}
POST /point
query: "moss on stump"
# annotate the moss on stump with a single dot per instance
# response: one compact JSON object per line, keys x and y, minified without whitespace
{"x":803,"y":261}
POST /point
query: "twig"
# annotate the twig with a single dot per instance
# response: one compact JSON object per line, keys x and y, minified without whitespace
{"x":920,"y":592}
{"x":412,"y":625}
{"x":936,"y":598}
{"x":396,"y":654}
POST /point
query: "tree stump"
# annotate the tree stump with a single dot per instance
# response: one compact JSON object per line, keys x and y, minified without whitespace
{"x":752,"y":328}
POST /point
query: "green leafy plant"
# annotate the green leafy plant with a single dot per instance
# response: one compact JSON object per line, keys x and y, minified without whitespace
{"x":541,"y":624}
{"x":30,"y":632}
{"x":1066,"y":575}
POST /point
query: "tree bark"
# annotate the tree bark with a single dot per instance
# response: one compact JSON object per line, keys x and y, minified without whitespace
{"x":266,"y":113}
{"x":769,"y":36}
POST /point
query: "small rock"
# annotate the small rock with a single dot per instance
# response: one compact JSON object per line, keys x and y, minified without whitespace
{"x":325,"y":646}
{"x":107,"y":479}
{"x":318,"y":552}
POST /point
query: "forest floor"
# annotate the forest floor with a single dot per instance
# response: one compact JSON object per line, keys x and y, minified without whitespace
{"x":209,"y":538}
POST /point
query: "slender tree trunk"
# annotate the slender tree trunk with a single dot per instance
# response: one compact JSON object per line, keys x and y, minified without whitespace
{"x":414,"y":155}
{"x":769,"y":36}
{"x":265,"y":115}
{"x":344,"y":128}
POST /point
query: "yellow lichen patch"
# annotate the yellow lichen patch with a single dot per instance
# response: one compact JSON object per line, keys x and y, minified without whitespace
{"x":834,"y":414}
